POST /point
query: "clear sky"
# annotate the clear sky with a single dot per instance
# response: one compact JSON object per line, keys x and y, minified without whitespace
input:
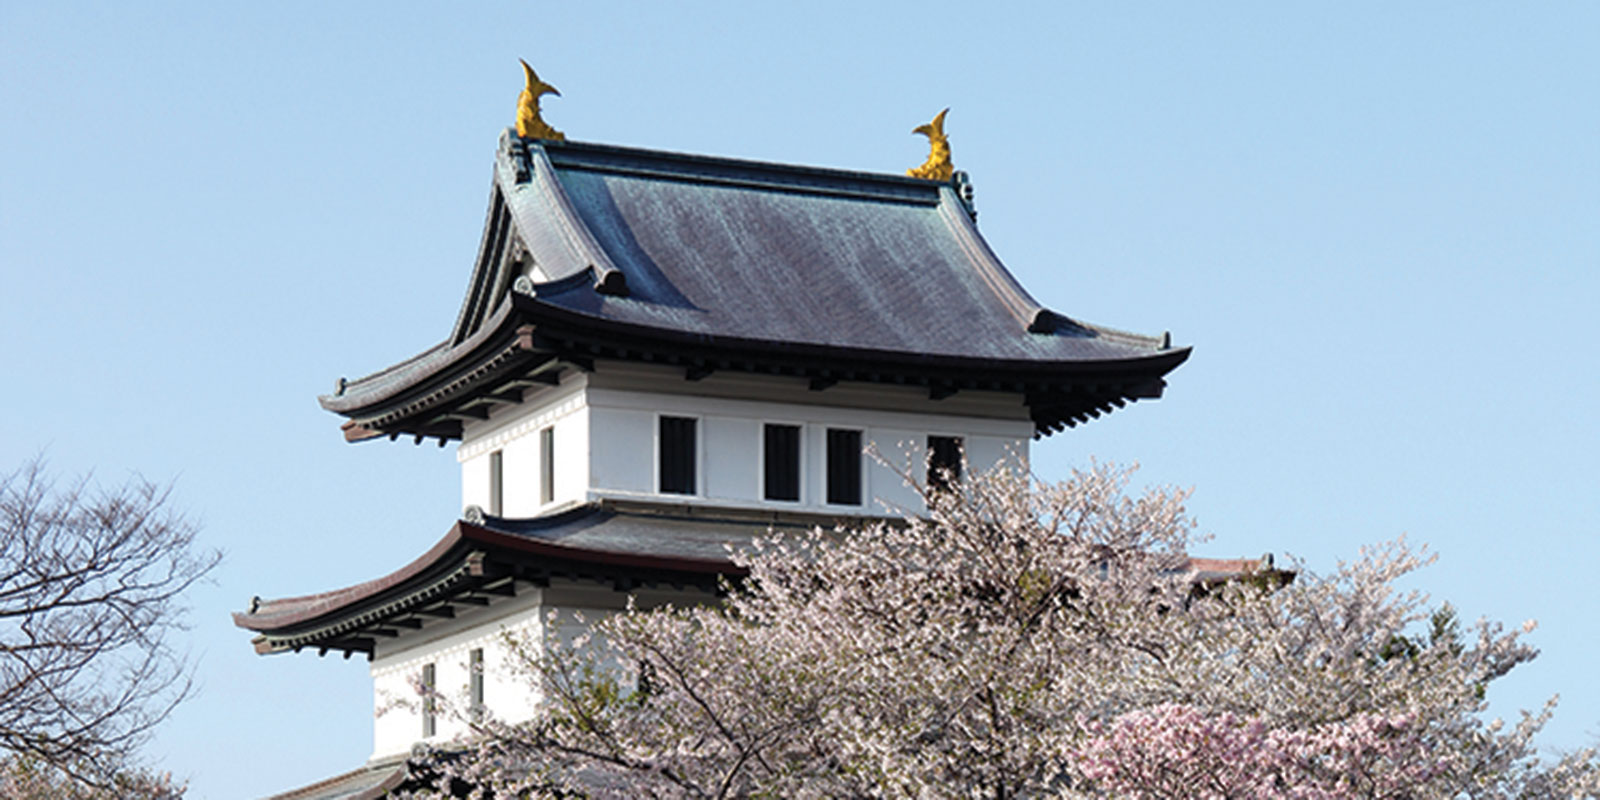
{"x":1378,"y":224}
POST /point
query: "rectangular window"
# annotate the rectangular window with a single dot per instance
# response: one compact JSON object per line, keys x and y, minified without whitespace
{"x":944,"y":461}
{"x":547,"y":465}
{"x":429,"y":683}
{"x":844,"y":467}
{"x":475,"y":678}
{"x":677,"y":455}
{"x":780,"y":457}
{"x":497,"y":484}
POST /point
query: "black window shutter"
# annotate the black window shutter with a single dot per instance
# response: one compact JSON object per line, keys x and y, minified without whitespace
{"x":677,"y":455}
{"x":475,"y":669}
{"x":429,"y":680}
{"x":497,"y":484}
{"x":844,"y":467}
{"x":547,"y":465}
{"x":944,"y":460}
{"x":781,"y":457}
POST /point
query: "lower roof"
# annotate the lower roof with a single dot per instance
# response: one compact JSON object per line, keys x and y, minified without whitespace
{"x":623,"y":544}
{"x":369,"y":782}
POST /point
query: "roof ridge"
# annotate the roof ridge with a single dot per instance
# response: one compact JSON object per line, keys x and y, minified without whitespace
{"x":679,"y":155}
{"x":722,"y":170}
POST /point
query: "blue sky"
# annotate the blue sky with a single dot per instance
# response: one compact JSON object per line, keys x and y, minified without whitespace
{"x":1378,"y":224}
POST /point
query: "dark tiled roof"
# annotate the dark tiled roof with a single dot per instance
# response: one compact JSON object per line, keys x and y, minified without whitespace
{"x":626,"y":544}
{"x":651,"y":529}
{"x":366,"y":783}
{"x":681,"y":259}
{"x":850,"y":261}
{"x":622,"y":543}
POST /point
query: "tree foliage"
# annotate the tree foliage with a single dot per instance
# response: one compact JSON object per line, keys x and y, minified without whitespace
{"x":90,"y":585}
{"x":1026,"y":640}
{"x":26,"y":779}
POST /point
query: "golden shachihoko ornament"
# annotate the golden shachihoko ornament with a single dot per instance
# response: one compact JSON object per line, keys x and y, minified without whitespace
{"x":529,"y":124}
{"x":938,"y":166}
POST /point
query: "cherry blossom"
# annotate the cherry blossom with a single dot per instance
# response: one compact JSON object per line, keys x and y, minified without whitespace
{"x":1022,"y":639}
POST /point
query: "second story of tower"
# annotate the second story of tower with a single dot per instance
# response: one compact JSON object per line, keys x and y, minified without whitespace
{"x":641,"y":432}
{"x":642,"y":325}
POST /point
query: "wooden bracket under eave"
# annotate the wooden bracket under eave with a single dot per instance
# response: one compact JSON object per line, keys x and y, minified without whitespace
{"x":356,"y":432}
{"x":525,"y":338}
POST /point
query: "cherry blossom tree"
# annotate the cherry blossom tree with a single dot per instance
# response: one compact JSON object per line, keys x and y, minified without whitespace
{"x":23,"y":778}
{"x":1024,"y":640}
{"x":1177,"y":752}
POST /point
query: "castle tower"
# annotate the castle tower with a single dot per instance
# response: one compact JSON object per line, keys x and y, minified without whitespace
{"x":660,"y":355}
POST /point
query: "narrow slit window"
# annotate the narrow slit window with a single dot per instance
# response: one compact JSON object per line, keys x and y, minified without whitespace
{"x":497,"y":484}
{"x":475,"y":680}
{"x":429,"y":682}
{"x":677,"y":455}
{"x":547,"y":465}
{"x":781,"y":462}
{"x":944,"y":461}
{"x":844,"y":467}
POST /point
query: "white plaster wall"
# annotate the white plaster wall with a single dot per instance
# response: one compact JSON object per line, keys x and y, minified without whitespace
{"x":606,"y":426}
{"x":509,"y":692}
{"x":814,"y":468}
{"x":475,"y":480}
{"x":622,"y":453}
{"x":572,"y":452}
{"x":730,"y":457}
{"x":447,"y":645}
{"x":984,"y":453}
{"x":514,"y":431}
{"x":624,"y":428}
{"x":903,"y":449}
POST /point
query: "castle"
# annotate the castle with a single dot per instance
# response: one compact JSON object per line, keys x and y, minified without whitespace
{"x":660,"y":355}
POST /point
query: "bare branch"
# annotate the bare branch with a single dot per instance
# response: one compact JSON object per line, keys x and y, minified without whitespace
{"x":91,"y":580}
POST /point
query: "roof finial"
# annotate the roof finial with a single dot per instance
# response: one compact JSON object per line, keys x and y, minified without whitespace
{"x":529,"y":125}
{"x":938,"y":166}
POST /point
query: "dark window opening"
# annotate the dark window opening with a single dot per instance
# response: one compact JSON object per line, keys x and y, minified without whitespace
{"x":497,"y":484}
{"x":781,"y":462}
{"x":944,"y":461}
{"x":428,"y":703}
{"x":677,"y":455}
{"x":475,"y":671}
{"x":547,"y":465}
{"x":844,"y":467}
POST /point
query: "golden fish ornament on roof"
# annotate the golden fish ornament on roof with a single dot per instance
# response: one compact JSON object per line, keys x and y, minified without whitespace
{"x":529,"y":124}
{"x":938,"y":166}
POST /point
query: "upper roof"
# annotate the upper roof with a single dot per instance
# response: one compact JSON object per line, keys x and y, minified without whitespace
{"x":763,"y":253}
{"x":712,"y":263}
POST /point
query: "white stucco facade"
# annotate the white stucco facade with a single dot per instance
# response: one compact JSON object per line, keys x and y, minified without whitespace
{"x":601,"y":429}
{"x":509,"y":691}
{"x":605,"y":427}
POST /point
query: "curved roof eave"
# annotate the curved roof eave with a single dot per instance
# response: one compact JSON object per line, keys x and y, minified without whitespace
{"x":395,"y":381}
{"x":536,"y":311}
{"x":285,"y":612}
{"x":290,"y":614}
